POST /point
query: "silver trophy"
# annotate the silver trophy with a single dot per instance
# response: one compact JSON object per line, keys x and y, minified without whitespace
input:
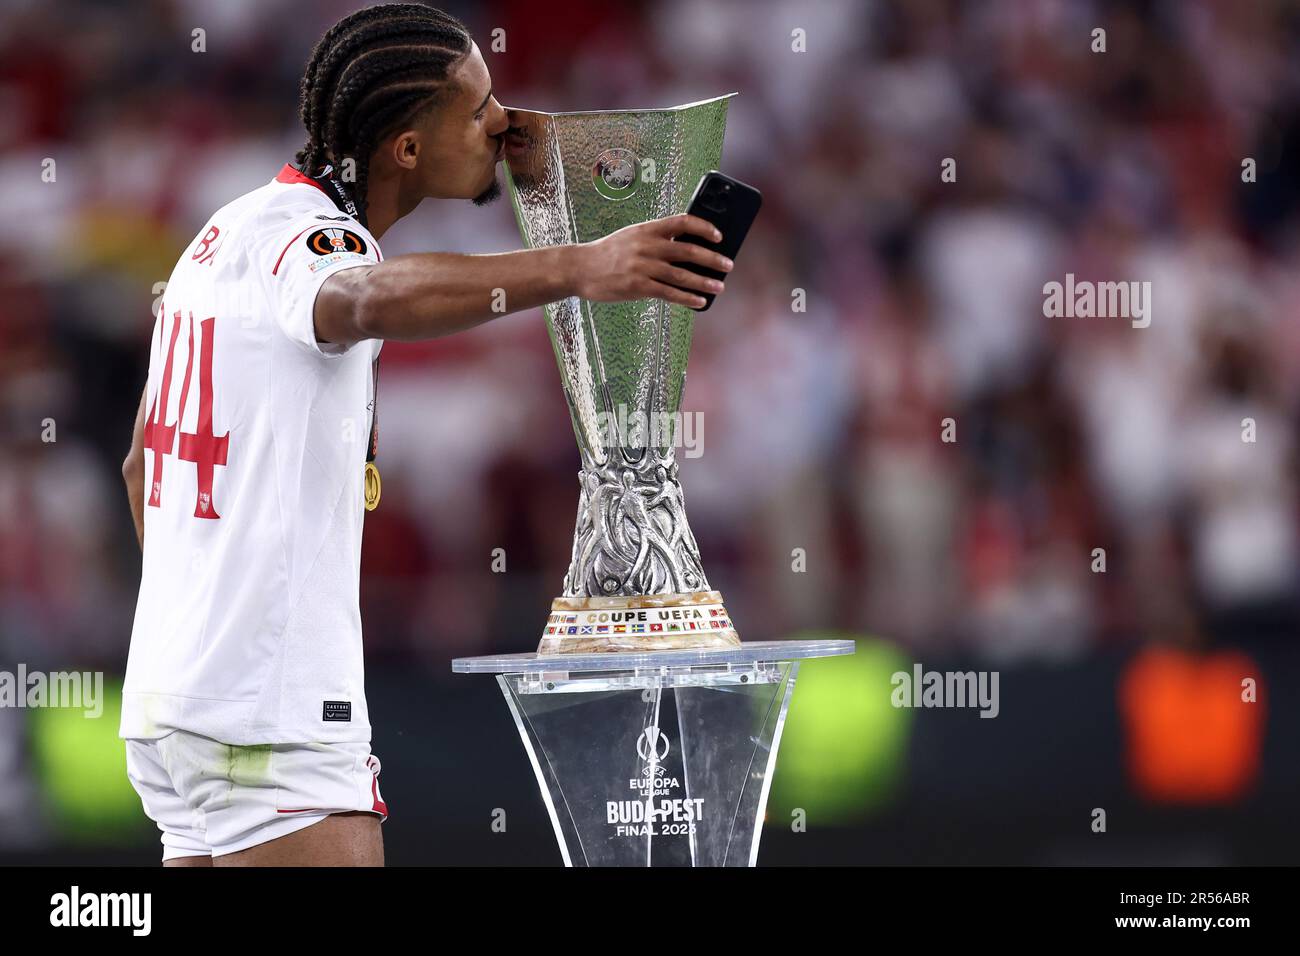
{"x":652,"y":731}
{"x":635,"y":581}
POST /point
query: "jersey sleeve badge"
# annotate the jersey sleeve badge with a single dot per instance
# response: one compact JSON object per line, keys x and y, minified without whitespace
{"x":333,"y":244}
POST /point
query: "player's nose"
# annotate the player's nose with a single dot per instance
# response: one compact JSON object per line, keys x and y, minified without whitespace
{"x":500,"y":121}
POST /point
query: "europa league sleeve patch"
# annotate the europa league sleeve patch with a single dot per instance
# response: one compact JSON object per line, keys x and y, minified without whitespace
{"x":334,"y":244}
{"x":333,"y":239}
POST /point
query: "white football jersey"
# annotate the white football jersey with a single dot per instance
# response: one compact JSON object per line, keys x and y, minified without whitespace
{"x":248,"y":625}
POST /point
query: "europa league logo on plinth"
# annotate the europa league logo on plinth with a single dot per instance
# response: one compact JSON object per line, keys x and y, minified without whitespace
{"x":635,"y":581}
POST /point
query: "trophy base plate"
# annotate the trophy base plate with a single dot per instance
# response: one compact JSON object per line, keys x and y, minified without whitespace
{"x":644,"y":622}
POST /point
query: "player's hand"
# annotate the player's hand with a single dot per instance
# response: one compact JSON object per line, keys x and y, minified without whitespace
{"x":636,"y":262}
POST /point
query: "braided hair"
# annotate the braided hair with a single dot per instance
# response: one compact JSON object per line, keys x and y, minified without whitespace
{"x":370,"y":74}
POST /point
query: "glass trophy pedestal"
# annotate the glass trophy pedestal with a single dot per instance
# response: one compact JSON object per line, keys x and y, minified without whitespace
{"x":654,"y":758}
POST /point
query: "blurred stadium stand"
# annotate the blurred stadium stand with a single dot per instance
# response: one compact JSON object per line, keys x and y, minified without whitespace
{"x":924,"y":303}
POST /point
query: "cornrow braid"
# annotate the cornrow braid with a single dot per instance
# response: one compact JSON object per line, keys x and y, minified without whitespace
{"x":371,"y":73}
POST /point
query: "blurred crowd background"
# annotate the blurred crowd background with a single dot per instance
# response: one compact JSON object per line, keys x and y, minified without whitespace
{"x":1120,"y":669}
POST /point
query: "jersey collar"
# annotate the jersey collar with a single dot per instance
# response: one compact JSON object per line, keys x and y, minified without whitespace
{"x":326,"y":183}
{"x":291,"y":174}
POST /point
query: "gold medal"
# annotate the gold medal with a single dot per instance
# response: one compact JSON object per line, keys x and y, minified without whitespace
{"x":373,"y":486}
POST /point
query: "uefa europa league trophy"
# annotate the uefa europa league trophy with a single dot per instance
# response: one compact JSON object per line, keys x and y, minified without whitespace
{"x":635,"y":581}
{"x":651,"y":728}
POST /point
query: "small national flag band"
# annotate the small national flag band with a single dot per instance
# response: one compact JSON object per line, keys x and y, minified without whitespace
{"x":643,"y":622}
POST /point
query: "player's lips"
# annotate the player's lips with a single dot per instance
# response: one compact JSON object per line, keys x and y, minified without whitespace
{"x":514,"y":142}
{"x":501,"y":151}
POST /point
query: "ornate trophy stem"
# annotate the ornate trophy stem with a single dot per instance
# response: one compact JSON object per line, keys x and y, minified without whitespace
{"x":632,"y":537}
{"x":635,"y":581}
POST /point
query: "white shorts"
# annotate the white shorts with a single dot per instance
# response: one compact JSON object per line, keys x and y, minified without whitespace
{"x":210,"y":798}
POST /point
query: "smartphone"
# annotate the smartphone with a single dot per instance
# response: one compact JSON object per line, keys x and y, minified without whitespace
{"x":731,"y":206}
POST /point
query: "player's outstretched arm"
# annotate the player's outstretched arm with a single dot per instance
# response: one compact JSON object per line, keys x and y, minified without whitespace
{"x":427,"y":295}
{"x":133,"y":470}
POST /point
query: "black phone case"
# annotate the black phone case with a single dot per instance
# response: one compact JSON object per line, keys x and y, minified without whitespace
{"x":731,"y":206}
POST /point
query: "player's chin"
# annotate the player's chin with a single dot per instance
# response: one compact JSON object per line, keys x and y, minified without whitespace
{"x":490,"y":194}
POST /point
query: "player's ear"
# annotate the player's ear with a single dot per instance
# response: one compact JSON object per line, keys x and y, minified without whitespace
{"x":405,"y":149}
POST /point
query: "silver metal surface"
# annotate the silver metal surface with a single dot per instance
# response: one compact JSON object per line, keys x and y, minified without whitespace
{"x":577,"y":177}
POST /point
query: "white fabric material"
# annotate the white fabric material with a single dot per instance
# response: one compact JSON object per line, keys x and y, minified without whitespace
{"x":248,"y":617}
{"x":210,"y":798}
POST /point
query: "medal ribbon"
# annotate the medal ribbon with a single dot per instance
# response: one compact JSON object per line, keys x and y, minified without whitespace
{"x":342,"y":199}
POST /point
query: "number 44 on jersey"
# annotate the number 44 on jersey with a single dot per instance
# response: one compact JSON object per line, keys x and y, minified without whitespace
{"x":201,"y":446}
